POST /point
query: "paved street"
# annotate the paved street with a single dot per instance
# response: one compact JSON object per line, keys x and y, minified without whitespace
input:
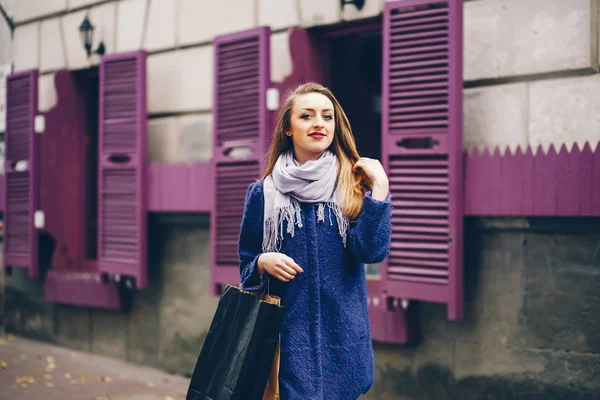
{"x":30,"y":370}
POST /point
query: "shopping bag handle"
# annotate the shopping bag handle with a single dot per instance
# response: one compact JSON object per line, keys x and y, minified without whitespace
{"x":266,"y":290}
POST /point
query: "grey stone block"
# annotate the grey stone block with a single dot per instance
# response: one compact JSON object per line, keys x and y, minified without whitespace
{"x":537,"y":270}
{"x":561,"y":322}
{"x":505,"y":38}
{"x":564,"y":111}
{"x":195,"y":138}
{"x":109,"y":333}
{"x":568,"y":264}
{"x":577,"y":266}
{"x":163,"y":137}
{"x":560,"y":305}
{"x":26,"y":312}
{"x":501,"y":260}
{"x":495,"y":116}
{"x":144,"y":327}
{"x":73,"y":327}
{"x":186,"y":307}
{"x":493,"y":287}
{"x":28,"y":316}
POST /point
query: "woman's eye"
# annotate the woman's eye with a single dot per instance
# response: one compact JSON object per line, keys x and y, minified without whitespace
{"x":328,"y":117}
{"x":305,"y":116}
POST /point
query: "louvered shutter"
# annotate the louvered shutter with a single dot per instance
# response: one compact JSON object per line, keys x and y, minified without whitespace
{"x":422,"y":149}
{"x":21,"y":168}
{"x":241,"y":127}
{"x":122,"y":149}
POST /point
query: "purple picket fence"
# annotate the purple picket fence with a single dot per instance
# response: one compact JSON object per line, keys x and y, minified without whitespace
{"x":559,"y":183}
{"x":180,"y":187}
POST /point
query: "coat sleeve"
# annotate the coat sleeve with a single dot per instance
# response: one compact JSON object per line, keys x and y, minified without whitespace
{"x":250,"y":241}
{"x":370,"y":235}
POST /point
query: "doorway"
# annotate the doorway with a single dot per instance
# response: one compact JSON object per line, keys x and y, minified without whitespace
{"x":353,"y":71}
{"x":88,"y":82}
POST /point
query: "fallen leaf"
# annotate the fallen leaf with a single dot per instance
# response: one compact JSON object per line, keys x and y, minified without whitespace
{"x":2,"y":342}
{"x":169,"y":398}
{"x":68,"y":375}
{"x":3,"y":364}
{"x":50,"y":384}
{"x":48,"y":376}
{"x":83,"y":378}
{"x":50,"y":360}
{"x":73,"y":381}
{"x":9,"y":337}
{"x":105,"y":379}
{"x":150,"y":384}
{"x":25,"y":380}
{"x":166,"y":380}
{"x":23,"y":357}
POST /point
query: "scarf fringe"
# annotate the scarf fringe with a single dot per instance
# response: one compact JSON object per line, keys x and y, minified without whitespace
{"x":273,"y":227}
{"x":342,"y":221}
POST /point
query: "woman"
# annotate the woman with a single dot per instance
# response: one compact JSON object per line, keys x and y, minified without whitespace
{"x":308,"y":226}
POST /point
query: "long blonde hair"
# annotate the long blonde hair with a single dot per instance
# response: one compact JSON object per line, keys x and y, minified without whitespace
{"x":351,"y":186}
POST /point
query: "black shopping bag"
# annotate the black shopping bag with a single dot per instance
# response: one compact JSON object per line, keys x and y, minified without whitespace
{"x":237,"y":355}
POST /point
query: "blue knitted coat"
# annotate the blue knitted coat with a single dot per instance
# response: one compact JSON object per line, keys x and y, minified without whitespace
{"x":326,"y":350}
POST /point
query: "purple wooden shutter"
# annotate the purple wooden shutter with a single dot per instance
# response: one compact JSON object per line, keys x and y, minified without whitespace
{"x":422,"y":149}
{"x":21,"y":166}
{"x":122,"y":149}
{"x":241,"y":123}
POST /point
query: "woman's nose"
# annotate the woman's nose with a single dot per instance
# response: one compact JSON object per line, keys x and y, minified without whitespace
{"x":319,"y":121}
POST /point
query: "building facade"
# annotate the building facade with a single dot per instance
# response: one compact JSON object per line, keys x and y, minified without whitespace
{"x":506,"y":307}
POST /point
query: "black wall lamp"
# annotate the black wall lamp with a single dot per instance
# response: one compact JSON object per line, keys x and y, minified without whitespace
{"x":86,"y":30}
{"x":359,"y":4}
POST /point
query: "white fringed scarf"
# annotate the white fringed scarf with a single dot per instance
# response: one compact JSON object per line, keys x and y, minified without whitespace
{"x":292,"y":183}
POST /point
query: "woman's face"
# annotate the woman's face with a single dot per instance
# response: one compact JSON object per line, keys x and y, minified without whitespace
{"x":312,"y":126}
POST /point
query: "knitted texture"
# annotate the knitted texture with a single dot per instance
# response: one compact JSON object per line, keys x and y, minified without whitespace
{"x":326,"y":350}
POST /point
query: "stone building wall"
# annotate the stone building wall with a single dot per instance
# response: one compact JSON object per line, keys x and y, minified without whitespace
{"x":531,"y":79}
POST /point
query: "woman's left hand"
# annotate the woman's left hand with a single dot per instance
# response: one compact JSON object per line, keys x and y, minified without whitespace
{"x":375,"y":172}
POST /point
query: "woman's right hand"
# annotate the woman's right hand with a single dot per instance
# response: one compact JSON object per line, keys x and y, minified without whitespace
{"x":279,"y":266}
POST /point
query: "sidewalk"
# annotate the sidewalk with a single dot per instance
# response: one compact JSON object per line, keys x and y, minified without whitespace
{"x":37,"y":371}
